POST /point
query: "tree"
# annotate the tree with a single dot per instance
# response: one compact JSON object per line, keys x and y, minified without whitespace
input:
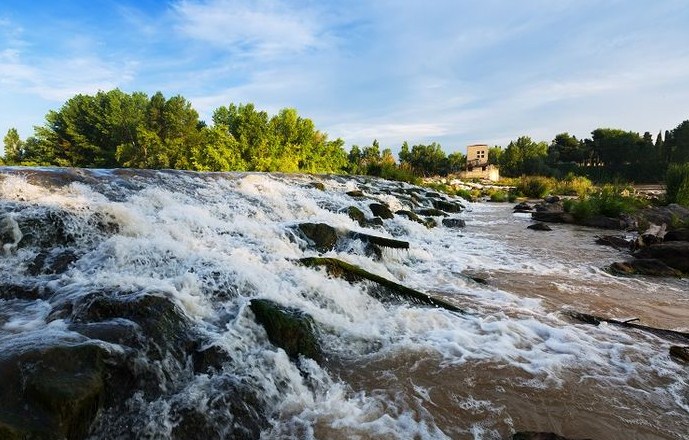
{"x":13,"y":147}
{"x":456,"y":162}
{"x":524,"y":156}
{"x":494,"y":154}
{"x":679,"y":144}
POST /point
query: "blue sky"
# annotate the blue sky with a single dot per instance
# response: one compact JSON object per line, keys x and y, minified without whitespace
{"x":452,"y":71}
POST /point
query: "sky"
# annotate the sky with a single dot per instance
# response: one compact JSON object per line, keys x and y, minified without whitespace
{"x":456,"y":72}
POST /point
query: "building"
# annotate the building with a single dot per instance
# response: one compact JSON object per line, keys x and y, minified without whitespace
{"x":477,"y":164}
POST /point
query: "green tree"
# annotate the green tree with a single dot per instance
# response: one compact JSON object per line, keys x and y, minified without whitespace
{"x":494,"y":154}
{"x":13,"y":147}
{"x":524,"y":156}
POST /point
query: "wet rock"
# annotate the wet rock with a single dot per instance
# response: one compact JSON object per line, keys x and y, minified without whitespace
{"x":323,"y":237}
{"x":539,"y":227}
{"x":659,"y":215}
{"x":431,"y":212}
{"x":287,"y":328}
{"x":649,"y":267}
{"x":318,"y":185}
{"x":385,"y":289}
{"x":454,"y":223}
{"x":51,"y":393}
{"x":533,"y":435}
{"x":379,"y":241}
{"x":646,"y":240}
{"x":430,"y":222}
{"x":551,"y":199}
{"x":523,"y":207}
{"x":25,"y":291}
{"x":447,"y":206}
{"x":432,"y":194}
{"x":552,"y":216}
{"x":380,"y":210}
{"x":680,"y":353}
{"x":209,"y":359}
{"x":681,"y":234}
{"x":674,"y":253}
{"x":357,"y":193}
{"x":357,"y":215}
{"x":52,"y":262}
{"x":410,"y":215}
{"x":615,"y":241}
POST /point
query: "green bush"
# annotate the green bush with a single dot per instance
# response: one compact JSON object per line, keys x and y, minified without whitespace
{"x":573,"y":185}
{"x":610,"y":201}
{"x":677,"y":184}
{"x":498,"y":195}
{"x":535,"y":187}
{"x":392,"y":172}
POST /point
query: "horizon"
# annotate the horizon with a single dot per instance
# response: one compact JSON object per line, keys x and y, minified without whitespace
{"x":450,"y":72}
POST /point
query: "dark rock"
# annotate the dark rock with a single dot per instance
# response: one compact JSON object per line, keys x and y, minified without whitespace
{"x":410,"y":215}
{"x":23,"y":291}
{"x":430,"y":222}
{"x":649,"y":267}
{"x":602,"y":222}
{"x":646,"y":240}
{"x":322,"y":236}
{"x":551,"y":199}
{"x":355,"y":193}
{"x":616,"y":241}
{"x":287,"y":328}
{"x":659,"y":215}
{"x":532,"y":435}
{"x":454,"y":223}
{"x":386,"y":289}
{"x":432,"y":212}
{"x":51,"y":393}
{"x":681,"y":234}
{"x":318,"y":185}
{"x":447,"y":206}
{"x":116,"y":331}
{"x":549,"y":207}
{"x":380,"y":210}
{"x":357,"y":215}
{"x":539,"y":227}
{"x":432,"y":194}
{"x":523,"y":207}
{"x":52,"y":262}
{"x":209,"y":359}
{"x":674,"y":253}
{"x":379,"y":241}
{"x":375,"y":221}
{"x":680,"y":353}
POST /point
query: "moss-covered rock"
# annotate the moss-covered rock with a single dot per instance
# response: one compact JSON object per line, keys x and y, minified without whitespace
{"x":410,"y":215}
{"x":446,"y":206}
{"x":322,"y":236}
{"x":381,"y":210}
{"x":379,"y":241}
{"x":431,"y":212}
{"x":387,"y":289}
{"x":287,"y":328}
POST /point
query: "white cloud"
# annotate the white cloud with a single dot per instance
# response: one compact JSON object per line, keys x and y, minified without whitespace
{"x":263,"y":28}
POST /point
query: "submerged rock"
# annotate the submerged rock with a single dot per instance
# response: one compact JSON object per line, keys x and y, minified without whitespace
{"x":357,"y":215}
{"x":539,"y":227}
{"x":615,"y":241}
{"x":647,"y":266}
{"x":454,"y":223}
{"x":674,"y":253}
{"x":681,"y":234}
{"x":533,"y":435}
{"x":379,"y":241}
{"x":387,"y":289}
{"x":410,"y":215}
{"x":287,"y":328}
{"x":680,"y":353}
{"x":357,"y":193}
{"x":523,"y":207}
{"x":446,"y":206}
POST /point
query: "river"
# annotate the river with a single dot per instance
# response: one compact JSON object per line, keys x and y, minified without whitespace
{"x":513,"y":362}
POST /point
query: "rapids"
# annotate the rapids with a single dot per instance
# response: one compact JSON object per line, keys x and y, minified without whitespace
{"x":210,"y":242}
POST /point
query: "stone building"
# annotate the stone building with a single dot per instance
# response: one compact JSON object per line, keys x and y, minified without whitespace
{"x":477,"y":164}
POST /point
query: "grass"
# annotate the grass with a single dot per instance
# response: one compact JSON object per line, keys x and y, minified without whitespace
{"x":677,"y":184}
{"x":609,"y":201}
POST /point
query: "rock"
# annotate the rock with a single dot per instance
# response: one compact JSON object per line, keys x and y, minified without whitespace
{"x":430,"y":222}
{"x":602,"y":222}
{"x":539,"y":227}
{"x":674,"y":253}
{"x":447,"y":206}
{"x":323,"y":237}
{"x":680,"y":353}
{"x":431,"y":212}
{"x":523,"y":207}
{"x":287,"y":328}
{"x":357,"y":193}
{"x":616,"y":241}
{"x":532,"y":435}
{"x":649,"y":267}
{"x":379,"y":241}
{"x":646,"y":240}
{"x":380,"y":210}
{"x":668,"y":215}
{"x":357,"y":215}
{"x":549,"y":207}
{"x":551,"y":199}
{"x":410,"y":215}
{"x":51,"y":393}
{"x":454,"y":223}
{"x":209,"y":359}
{"x":318,"y":185}
{"x":386,"y":289}
{"x":52,"y":262}
{"x":432,"y":194}
{"x":681,"y":234}
{"x":25,"y":291}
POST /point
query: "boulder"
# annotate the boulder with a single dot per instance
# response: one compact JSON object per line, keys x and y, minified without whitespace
{"x":681,"y":234}
{"x":357,"y":193}
{"x":357,"y":215}
{"x":446,"y":206}
{"x":674,"y":253}
{"x":287,"y":328}
{"x":380,"y":210}
{"x":615,"y":241}
{"x":52,"y":262}
{"x":454,"y":223}
{"x":552,"y":216}
{"x":51,"y":393}
{"x":551,"y":199}
{"x":539,"y":227}
{"x":649,"y":267}
{"x":379,"y":241}
{"x":323,"y":237}
{"x":431,"y":212}
{"x":680,"y":353}
{"x":318,"y":185}
{"x":410,"y":215}
{"x":523,"y":207}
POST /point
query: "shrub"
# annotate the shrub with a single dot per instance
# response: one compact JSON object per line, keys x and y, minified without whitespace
{"x":497,"y":195}
{"x":610,"y":201}
{"x":677,"y":184}
{"x":574,"y":186}
{"x":535,"y":187}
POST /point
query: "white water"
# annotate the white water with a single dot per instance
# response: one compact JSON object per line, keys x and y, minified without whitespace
{"x":392,"y":370}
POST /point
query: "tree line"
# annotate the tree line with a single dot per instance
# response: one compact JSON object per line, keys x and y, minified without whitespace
{"x":116,"y":129}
